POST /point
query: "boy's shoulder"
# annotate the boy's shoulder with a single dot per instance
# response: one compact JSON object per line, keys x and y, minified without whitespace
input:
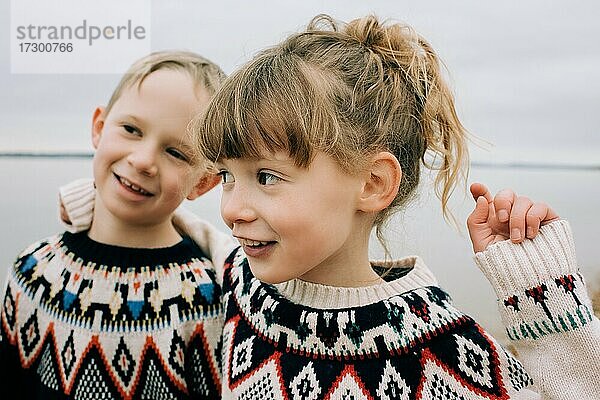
{"x":77,"y":250}
{"x":48,"y":243}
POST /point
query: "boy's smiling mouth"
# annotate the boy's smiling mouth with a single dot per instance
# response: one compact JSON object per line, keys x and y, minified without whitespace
{"x":132,"y":186}
{"x":253,"y":243}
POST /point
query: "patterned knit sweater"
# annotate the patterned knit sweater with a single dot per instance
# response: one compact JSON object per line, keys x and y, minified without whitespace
{"x":399,"y":340}
{"x":296,"y":350}
{"x":86,"y":320}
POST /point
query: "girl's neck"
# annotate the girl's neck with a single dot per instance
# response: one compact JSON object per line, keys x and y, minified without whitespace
{"x":350,"y":267}
{"x":351,"y":274}
{"x":108,"y":229}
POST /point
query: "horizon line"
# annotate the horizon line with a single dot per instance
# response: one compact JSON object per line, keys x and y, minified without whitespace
{"x":481,"y":164}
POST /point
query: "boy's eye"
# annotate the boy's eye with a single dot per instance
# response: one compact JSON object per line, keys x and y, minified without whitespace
{"x":177,"y":154}
{"x":266,"y":178}
{"x":131,"y":129}
{"x":226,"y":177}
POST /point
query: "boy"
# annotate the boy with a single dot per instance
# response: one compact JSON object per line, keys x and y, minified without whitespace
{"x":128,"y":309}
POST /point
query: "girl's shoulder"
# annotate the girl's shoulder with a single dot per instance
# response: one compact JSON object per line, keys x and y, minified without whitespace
{"x":403,"y":311}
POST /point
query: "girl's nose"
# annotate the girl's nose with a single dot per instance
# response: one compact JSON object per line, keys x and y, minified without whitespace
{"x":236,"y":206}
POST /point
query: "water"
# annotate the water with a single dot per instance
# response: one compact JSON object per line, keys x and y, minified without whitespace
{"x":29,"y":212}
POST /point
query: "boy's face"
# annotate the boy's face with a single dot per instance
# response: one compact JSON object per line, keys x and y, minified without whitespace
{"x":143,"y":166}
{"x":292,"y":222}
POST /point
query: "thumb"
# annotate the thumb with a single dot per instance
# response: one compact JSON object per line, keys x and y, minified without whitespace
{"x":481,"y":212}
{"x":477,"y":223}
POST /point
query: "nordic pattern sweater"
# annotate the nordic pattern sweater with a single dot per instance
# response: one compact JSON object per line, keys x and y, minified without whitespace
{"x":85,"y":320}
{"x":541,"y":296}
{"x":405,"y":340}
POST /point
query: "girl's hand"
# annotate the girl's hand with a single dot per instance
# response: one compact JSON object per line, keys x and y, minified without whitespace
{"x":505,"y":216}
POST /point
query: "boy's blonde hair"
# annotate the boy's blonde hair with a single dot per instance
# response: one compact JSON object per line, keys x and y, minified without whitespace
{"x":349,"y":90}
{"x":202,"y":71}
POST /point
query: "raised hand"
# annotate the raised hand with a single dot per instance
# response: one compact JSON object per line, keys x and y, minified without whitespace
{"x":505,"y":216}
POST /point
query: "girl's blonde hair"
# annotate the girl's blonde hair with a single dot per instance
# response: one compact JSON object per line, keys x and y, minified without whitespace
{"x":349,"y":90}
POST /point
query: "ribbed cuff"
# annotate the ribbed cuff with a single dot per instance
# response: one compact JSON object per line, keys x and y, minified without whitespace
{"x":216,"y":244}
{"x":511,"y":268}
{"x":540,"y":291}
{"x":78,"y":199}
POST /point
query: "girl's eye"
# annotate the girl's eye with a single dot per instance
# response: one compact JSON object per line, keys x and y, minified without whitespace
{"x":266,"y":178}
{"x":177,"y":154}
{"x":226,"y":177}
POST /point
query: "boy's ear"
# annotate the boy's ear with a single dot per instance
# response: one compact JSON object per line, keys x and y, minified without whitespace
{"x":206,"y":182}
{"x":97,"y":125}
{"x":382,"y":182}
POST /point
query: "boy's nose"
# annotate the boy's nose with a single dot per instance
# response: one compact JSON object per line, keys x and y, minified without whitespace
{"x":143,"y":159}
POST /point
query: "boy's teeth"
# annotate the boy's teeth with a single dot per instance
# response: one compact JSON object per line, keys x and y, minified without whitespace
{"x":133,"y":187}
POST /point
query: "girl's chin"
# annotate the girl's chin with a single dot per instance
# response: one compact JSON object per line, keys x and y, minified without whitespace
{"x":263,"y":274}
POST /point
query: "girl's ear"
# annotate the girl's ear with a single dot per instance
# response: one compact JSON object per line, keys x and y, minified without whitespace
{"x":97,"y":125}
{"x":205,"y":183}
{"x":382,"y":182}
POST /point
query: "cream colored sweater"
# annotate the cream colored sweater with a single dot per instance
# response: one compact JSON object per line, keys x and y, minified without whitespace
{"x":542,"y":298}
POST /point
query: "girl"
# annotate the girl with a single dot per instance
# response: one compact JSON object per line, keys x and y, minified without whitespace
{"x":318,"y":140}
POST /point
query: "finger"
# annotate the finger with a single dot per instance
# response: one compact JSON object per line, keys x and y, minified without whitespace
{"x":478,"y":190}
{"x":539,"y":214}
{"x":503,"y":204}
{"x":517,"y":218}
{"x":536,"y":214}
{"x":551,"y":216}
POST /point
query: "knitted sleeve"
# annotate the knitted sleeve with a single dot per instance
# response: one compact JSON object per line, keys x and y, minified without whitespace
{"x":547,"y":312}
{"x":78,"y":199}
{"x":216,"y":244}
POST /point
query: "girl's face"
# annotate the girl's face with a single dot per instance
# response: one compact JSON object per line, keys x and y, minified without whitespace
{"x":295,"y":222}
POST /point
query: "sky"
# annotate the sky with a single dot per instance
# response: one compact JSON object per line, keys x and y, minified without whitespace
{"x":526,"y":75}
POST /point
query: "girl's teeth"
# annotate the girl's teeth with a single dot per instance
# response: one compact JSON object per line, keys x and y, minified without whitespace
{"x":254,"y":243}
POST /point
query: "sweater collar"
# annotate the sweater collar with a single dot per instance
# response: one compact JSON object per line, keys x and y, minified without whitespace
{"x":401,"y":276}
{"x":87,"y":251}
{"x":397,"y":320}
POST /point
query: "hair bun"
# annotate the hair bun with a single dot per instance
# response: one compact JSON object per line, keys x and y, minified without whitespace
{"x":397,"y":44}
{"x":367,"y":31}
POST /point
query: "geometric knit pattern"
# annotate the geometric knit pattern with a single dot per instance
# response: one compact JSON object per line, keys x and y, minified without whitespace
{"x":556,"y":306}
{"x":413,"y":345}
{"x":147,"y":325}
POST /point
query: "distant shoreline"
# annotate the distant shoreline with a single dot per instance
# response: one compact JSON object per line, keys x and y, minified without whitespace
{"x":477,"y":164}
{"x":28,"y":154}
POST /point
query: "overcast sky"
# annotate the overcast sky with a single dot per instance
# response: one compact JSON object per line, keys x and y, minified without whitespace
{"x":526,"y":73}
